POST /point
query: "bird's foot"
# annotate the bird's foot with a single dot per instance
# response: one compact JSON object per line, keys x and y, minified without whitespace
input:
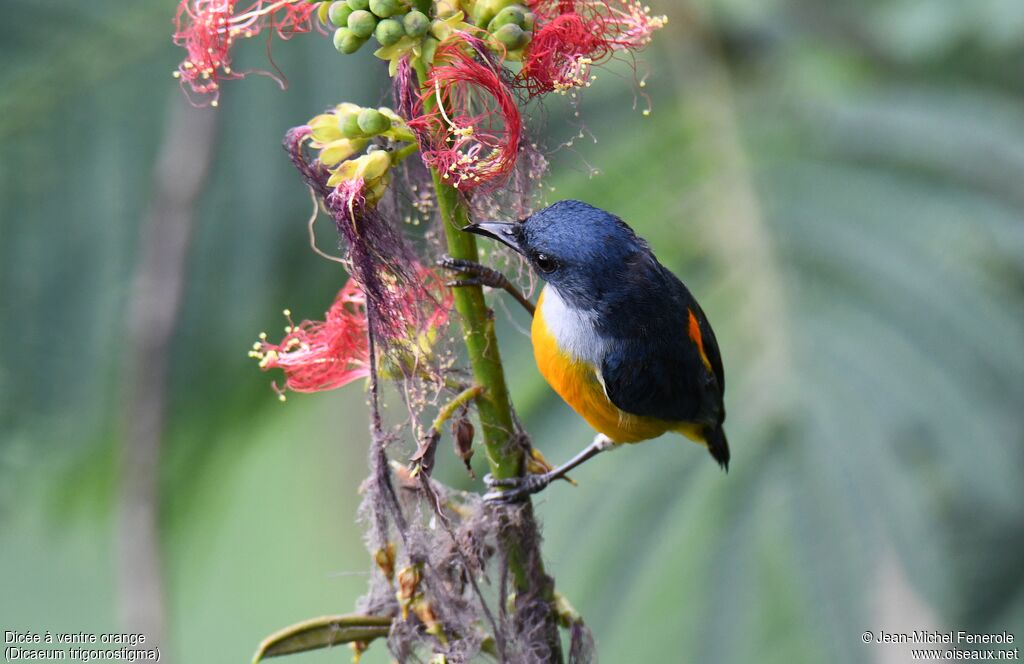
{"x":514,"y":489}
{"x":475,"y":274}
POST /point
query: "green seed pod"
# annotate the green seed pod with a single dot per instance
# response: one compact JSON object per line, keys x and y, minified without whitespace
{"x":372,"y":122}
{"x":389,"y":31}
{"x":346,"y":41}
{"x":416,"y":23}
{"x":362,"y":23}
{"x":356,"y":5}
{"x":482,"y":14}
{"x":512,"y":36}
{"x":515,"y":14}
{"x":339,"y":13}
{"x":485,"y":10}
{"x":386,"y":8}
{"x":349,"y":126}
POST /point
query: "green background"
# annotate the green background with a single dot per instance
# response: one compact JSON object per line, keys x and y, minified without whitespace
{"x":840,"y":184}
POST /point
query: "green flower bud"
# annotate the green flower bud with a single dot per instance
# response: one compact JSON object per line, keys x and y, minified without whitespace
{"x":482,"y":14}
{"x":515,"y":14}
{"x":322,"y":11}
{"x":347,"y":41}
{"x":512,"y":36}
{"x":440,"y":30}
{"x":349,"y":126}
{"x":356,"y":5}
{"x":389,"y":31}
{"x":485,"y":10}
{"x":429,"y":49}
{"x":338,"y":13}
{"x":377,"y":164}
{"x":362,"y":23}
{"x":372,"y":122}
{"x":529,"y":21}
{"x":416,"y":23}
{"x":386,"y":8}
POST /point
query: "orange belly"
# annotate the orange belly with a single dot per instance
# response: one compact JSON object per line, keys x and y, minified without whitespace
{"x":577,"y":383}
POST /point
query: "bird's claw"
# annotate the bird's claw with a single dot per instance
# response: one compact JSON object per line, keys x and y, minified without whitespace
{"x":474,"y":273}
{"x":509,"y":490}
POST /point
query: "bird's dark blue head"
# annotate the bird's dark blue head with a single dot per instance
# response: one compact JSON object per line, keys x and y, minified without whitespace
{"x":581,"y":250}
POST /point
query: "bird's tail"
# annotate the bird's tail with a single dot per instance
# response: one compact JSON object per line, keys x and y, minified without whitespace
{"x":718,"y":446}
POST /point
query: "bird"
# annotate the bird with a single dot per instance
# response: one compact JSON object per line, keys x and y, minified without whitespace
{"x":615,"y":333}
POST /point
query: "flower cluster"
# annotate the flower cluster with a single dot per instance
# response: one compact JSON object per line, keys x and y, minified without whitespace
{"x":207,"y":29}
{"x":575,"y":35}
{"x":347,"y":130}
{"x":388,"y":21}
{"x":476,"y":140}
{"x":458,"y":106}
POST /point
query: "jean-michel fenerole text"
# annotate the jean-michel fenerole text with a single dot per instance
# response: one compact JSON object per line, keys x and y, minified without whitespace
{"x":934,"y":636}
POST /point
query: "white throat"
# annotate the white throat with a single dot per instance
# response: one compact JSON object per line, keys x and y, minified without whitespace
{"x":572,"y":328}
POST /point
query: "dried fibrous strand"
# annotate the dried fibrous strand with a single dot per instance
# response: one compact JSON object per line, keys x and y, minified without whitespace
{"x":408,"y":301}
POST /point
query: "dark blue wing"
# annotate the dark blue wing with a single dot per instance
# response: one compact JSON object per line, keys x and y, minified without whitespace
{"x":654,"y":367}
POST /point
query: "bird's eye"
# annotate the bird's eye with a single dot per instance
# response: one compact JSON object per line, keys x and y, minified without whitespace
{"x":545,"y":263}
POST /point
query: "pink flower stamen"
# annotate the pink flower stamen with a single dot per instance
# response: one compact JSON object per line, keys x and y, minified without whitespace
{"x":325,"y":355}
{"x":472,"y":134}
{"x":575,"y":35}
{"x":207,"y":29}
{"x":322,"y":355}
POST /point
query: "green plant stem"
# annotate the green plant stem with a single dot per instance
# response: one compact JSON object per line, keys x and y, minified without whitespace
{"x":494,"y":407}
{"x":521,"y":542}
{"x":449,"y":408}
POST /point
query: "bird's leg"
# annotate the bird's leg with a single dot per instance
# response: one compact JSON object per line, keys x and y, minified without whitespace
{"x":481,"y":275}
{"x":517,"y":488}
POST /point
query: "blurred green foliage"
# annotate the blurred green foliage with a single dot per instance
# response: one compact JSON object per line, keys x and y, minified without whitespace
{"x":840,"y":186}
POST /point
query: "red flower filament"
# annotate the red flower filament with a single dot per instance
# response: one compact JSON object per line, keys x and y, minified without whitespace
{"x":324,"y":355}
{"x":207,"y":29}
{"x":471,"y":134}
{"x":321,"y":355}
{"x":575,"y":35}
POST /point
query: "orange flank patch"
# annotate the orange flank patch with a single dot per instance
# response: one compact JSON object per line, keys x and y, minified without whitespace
{"x":695,"y":337}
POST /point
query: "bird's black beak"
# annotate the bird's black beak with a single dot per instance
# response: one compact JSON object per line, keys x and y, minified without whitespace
{"x":502,"y":231}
